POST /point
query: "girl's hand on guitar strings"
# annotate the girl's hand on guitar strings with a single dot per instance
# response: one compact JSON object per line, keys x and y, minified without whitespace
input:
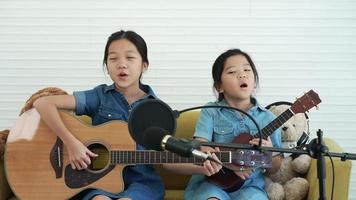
{"x":79,"y":155}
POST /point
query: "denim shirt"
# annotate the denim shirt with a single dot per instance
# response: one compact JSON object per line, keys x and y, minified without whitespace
{"x":223,"y":125}
{"x":104,"y":103}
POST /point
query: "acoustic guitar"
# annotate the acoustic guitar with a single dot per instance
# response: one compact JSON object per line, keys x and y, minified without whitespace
{"x":226,"y":178}
{"x":37,"y":165}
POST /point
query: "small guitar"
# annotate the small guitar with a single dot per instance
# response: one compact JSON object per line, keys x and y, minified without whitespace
{"x":37,"y":163}
{"x":226,"y":178}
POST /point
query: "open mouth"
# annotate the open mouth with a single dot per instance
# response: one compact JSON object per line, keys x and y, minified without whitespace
{"x":123,"y":74}
{"x":243,"y":85}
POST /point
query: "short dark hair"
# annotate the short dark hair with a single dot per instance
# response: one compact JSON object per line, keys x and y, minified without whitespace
{"x":133,"y":37}
{"x":218,"y":67}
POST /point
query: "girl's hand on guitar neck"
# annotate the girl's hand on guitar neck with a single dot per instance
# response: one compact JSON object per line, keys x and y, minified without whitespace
{"x":79,"y":155}
{"x":211,"y":167}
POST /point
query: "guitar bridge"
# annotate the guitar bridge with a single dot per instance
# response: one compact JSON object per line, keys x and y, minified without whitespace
{"x":56,"y":158}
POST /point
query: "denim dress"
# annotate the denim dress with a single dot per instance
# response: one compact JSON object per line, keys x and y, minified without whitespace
{"x":102,"y":104}
{"x":223,"y":125}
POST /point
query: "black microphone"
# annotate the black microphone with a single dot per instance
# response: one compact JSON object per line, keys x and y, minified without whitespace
{"x":150,"y":113}
{"x":158,"y":139}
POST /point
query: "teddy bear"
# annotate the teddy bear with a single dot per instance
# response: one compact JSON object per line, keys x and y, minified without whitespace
{"x":28,"y":105}
{"x":288,"y":182}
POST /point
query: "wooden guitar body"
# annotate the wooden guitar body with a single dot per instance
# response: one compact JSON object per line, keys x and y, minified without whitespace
{"x":37,"y":170}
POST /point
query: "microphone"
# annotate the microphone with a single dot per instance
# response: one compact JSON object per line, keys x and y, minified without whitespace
{"x":158,"y":139}
{"x":150,"y":113}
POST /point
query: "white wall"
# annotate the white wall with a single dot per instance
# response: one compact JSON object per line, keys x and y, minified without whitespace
{"x":297,"y":46}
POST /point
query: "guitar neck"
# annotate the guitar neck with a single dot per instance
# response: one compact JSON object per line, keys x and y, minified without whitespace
{"x":301,"y":105}
{"x":159,"y":157}
{"x":275,"y":124}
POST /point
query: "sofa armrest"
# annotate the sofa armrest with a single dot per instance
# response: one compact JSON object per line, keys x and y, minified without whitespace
{"x":342,"y":175}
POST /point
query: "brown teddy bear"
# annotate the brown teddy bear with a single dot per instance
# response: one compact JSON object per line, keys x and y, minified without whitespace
{"x":28,"y":105}
{"x":289,"y":182}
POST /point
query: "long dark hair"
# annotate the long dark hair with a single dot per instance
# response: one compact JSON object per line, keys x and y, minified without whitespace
{"x":218,"y":68}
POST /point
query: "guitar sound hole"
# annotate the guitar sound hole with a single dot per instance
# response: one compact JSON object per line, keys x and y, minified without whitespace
{"x":100,"y":162}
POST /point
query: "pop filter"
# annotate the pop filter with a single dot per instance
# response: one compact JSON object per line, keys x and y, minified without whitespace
{"x":150,"y":113}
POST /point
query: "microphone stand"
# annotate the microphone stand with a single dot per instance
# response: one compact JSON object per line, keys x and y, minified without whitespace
{"x":316,"y":149}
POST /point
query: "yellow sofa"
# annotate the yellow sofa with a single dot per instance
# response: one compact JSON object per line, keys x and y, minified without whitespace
{"x":175,"y":184}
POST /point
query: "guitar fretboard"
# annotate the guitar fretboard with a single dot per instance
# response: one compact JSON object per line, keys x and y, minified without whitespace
{"x":275,"y":124}
{"x":157,"y":157}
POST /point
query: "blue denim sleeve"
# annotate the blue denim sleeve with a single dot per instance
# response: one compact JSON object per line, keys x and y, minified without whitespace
{"x":86,"y":102}
{"x":204,"y":126}
{"x":80,"y":102}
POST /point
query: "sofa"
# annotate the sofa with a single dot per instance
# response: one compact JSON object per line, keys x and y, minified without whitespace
{"x":175,"y":184}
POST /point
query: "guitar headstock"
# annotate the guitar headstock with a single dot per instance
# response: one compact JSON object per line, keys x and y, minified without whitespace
{"x":251,"y":158}
{"x":305,"y":102}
